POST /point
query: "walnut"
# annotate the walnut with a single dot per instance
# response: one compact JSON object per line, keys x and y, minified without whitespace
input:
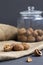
{"x":40,"y":32}
{"x":26,"y":46}
{"x":31,"y":30}
{"x":22,"y":31}
{"x":42,"y":37}
{"x":35,"y":33}
{"x":18,"y":47}
{"x":31,"y":39}
{"x":8,"y":47}
{"x":29,"y":59}
{"x":38,"y":38}
{"x":22,"y":38}
{"x":37,"y":52}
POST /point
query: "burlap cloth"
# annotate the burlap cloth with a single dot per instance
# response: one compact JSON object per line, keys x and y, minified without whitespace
{"x":18,"y":54}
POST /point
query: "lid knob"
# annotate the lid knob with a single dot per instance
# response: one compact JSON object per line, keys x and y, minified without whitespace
{"x":30,"y":8}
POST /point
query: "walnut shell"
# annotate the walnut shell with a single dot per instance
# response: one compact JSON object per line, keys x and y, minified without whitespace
{"x":18,"y":47}
{"x":42,"y":37}
{"x":29,"y":60}
{"x":37,"y":52}
{"x":38,"y":38}
{"x":40,"y":32}
{"x":8,"y":48}
{"x":22,"y":38}
{"x":31,"y":39}
{"x":31,"y":30}
{"x":26,"y":46}
{"x":35,"y":33}
{"x":22,"y":31}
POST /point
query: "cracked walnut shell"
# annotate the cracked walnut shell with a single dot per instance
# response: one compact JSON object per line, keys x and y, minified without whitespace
{"x":29,"y":60}
{"x":37,"y":52}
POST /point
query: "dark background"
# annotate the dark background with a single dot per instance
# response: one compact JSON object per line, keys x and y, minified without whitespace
{"x":9,"y":9}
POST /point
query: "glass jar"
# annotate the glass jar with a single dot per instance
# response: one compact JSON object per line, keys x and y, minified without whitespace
{"x":29,"y":19}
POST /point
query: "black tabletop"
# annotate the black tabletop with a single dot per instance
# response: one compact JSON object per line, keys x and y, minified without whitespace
{"x":22,"y":61}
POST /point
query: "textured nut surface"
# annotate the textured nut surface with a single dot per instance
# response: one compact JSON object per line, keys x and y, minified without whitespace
{"x":8,"y":48}
{"x":29,"y":32}
{"x":31,"y":29}
{"x":22,"y":38}
{"x":18,"y":47}
{"x":29,"y":59}
{"x":22,"y":31}
{"x":40,"y":32}
{"x":31,"y":39}
{"x":37,"y":52}
{"x":42,"y":37}
{"x":30,"y":35}
{"x":35,"y":33}
{"x":38,"y":38}
{"x":26,"y":46}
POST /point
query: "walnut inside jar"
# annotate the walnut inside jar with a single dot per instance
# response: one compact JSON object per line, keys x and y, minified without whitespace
{"x":42,"y":37}
{"x":31,"y":30}
{"x":22,"y":38}
{"x":31,"y":39}
{"x":35,"y":33}
{"x":22,"y":31}
{"x":40,"y":32}
{"x":39,"y":38}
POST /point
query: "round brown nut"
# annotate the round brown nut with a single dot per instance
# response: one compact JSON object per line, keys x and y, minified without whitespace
{"x":40,"y":32}
{"x":31,"y":39}
{"x":8,"y":48}
{"x":37,"y":52}
{"x":38,"y":38}
{"x":42,"y":37}
{"x":26,"y":46}
{"x":31,"y":30}
{"x":22,"y":38}
{"x":18,"y":47}
{"x":35,"y":33}
{"x":22,"y":31}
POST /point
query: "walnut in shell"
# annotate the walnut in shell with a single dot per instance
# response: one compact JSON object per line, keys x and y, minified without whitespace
{"x":26,"y":46}
{"x":22,"y":31}
{"x":38,"y":38}
{"x":35,"y":33}
{"x":31,"y":39}
{"x":8,"y":47}
{"x":18,"y":47}
{"x":31,"y":30}
{"x":40,"y":32}
{"x":22,"y":38}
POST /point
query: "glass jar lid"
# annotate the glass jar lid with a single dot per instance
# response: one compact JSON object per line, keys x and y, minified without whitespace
{"x":30,"y":12}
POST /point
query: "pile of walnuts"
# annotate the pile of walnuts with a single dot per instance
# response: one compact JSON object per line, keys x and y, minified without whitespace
{"x":16,"y":47}
{"x":30,"y":35}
